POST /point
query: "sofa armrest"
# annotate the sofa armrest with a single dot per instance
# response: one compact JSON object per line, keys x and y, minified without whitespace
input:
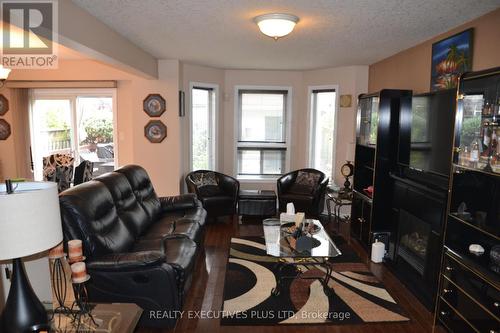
{"x":127,"y":261}
{"x":178,"y":202}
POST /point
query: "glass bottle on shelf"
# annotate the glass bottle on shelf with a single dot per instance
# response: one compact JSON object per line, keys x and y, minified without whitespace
{"x":463,"y":155}
{"x":475,"y":147}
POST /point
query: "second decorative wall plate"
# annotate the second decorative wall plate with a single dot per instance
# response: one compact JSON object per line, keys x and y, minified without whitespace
{"x":4,"y":105}
{"x":4,"y":129}
{"x":155,"y":131}
{"x":154,"y":105}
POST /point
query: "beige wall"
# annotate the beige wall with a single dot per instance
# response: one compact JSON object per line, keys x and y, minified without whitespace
{"x":411,"y":68}
{"x":162,"y":160}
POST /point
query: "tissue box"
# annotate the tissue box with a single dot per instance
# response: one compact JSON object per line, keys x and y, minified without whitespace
{"x":285,"y":218}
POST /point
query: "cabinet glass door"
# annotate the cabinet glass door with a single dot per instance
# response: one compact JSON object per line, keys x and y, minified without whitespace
{"x":478,"y":124}
{"x":368,"y":117}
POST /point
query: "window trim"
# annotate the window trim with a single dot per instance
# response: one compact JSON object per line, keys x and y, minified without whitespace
{"x":311,"y":120}
{"x":288,"y":121}
{"x":214,"y":126}
{"x":72,"y":95}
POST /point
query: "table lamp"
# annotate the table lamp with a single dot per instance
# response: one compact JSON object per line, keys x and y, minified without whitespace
{"x":30,"y":223}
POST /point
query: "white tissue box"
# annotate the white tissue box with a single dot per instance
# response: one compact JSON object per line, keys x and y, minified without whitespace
{"x":284,"y":217}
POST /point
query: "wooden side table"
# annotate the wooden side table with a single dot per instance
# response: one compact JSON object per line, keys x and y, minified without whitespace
{"x":110,"y":318}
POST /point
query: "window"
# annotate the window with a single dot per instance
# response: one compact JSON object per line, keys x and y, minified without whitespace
{"x":203,"y":120}
{"x":322,"y":137}
{"x":261,"y":147}
{"x":78,"y":123}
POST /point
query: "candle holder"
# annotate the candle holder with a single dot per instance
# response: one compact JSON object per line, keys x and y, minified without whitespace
{"x":81,"y":307}
{"x":60,"y":287}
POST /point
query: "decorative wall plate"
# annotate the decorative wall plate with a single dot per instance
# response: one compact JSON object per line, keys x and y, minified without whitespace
{"x":154,"y":105}
{"x":4,"y":129}
{"x":4,"y":105}
{"x":345,"y":101}
{"x":155,"y":131}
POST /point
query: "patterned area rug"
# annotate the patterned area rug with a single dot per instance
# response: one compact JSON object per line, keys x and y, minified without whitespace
{"x":357,"y":297}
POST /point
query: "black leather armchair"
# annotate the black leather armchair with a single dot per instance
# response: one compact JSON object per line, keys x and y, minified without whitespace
{"x":140,"y":248}
{"x":218,"y":199}
{"x":308,"y":198}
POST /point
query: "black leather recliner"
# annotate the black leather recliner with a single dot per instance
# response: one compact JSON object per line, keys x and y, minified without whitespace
{"x":140,"y":248}
{"x":307,"y":199}
{"x":218,"y":200}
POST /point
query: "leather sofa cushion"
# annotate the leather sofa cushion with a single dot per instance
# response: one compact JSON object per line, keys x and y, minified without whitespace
{"x":180,"y":253}
{"x":168,"y":227}
{"x":128,"y":208}
{"x":143,"y":189}
{"x":90,"y":207}
{"x":127,"y":261}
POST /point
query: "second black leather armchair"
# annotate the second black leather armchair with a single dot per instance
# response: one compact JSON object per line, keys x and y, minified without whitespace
{"x":305,"y":188}
{"x":217,"y":192}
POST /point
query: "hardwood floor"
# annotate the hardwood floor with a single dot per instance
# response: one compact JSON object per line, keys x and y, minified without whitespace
{"x":208,"y":282}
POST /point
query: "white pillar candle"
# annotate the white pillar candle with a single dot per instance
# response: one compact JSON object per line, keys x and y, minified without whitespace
{"x":75,"y":251}
{"x":78,"y":272}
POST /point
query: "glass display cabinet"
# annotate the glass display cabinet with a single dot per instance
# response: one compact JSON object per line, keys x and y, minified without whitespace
{"x":368,"y":120}
{"x":469,"y":291}
{"x":478,"y":124}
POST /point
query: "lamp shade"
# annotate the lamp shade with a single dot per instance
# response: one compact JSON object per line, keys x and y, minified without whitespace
{"x":30,"y":220}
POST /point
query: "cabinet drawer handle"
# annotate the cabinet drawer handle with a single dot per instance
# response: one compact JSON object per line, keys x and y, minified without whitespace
{"x":447,"y":291}
{"x":449,"y":268}
{"x":444,"y":313}
{"x":493,"y":331}
{"x":496,"y":304}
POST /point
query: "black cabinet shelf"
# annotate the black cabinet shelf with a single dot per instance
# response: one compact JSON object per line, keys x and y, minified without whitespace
{"x":375,"y":156}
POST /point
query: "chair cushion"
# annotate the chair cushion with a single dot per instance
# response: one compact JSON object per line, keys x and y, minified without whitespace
{"x":90,"y":214}
{"x":302,"y":202}
{"x":128,"y":208}
{"x":220,"y":200}
{"x":209,"y":190}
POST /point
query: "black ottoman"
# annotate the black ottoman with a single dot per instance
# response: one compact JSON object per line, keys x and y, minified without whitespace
{"x":261,"y":203}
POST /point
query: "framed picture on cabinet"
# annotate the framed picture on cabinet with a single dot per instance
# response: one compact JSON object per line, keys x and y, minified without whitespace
{"x":451,"y":57}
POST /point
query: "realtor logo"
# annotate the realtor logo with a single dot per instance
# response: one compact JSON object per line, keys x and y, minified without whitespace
{"x":29,"y":32}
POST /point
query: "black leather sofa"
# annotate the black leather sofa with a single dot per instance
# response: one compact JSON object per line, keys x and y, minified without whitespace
{"x":310,"y":198}
{"x":139,"y":248}
{"x":218,"y":200}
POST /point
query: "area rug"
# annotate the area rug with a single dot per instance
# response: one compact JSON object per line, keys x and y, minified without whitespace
{"x":358,"y":296}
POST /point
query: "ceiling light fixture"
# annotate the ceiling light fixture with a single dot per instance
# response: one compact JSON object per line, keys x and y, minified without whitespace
{"x":276,"y":25}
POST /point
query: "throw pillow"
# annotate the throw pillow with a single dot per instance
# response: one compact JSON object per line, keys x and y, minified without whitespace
{"x":201,"y":179}
{"x":305,"y":183}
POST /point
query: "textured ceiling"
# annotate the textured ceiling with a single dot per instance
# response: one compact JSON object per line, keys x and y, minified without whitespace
{"x":221,"y":33}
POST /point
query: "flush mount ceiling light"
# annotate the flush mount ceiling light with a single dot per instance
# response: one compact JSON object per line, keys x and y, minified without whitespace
{"x":276,"y":25}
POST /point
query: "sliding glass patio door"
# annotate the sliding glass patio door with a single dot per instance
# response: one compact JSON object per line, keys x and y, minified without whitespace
{"x":75,"y":122}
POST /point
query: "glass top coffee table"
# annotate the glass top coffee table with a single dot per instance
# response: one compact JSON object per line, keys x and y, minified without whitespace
{"x":313,"y":247}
